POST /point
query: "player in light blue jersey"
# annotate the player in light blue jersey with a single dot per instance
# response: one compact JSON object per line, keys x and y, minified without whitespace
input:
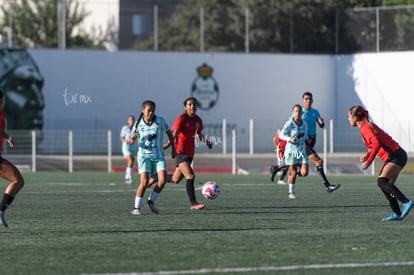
{"x":312,"y":117}
{"x":149,"y":131}
{"x":295,"y":133}
{"x":129,"y":148}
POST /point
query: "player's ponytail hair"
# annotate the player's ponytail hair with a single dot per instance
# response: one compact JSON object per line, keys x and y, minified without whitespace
{"x":359,"y":112}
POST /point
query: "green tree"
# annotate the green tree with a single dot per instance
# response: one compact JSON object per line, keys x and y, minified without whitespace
{"x":35,"y":24}
{"x":397,"y":26}
{"x":299,"y":26}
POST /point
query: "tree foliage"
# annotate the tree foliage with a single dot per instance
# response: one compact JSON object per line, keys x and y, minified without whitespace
{"x":35,"y":24}
{"x":297,"y":26}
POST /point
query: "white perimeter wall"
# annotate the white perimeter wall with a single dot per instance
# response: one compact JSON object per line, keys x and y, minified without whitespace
{"x":263,"y":87}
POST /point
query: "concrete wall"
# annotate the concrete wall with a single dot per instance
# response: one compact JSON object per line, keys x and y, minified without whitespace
{"x":98,"y":89}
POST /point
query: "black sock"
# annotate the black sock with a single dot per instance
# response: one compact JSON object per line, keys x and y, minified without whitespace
{"x":6,"y":201}
{"x":284,"y":173}
{"x":191,"y":191}
{"x":393,"y":202}
{"x":386,"y":186}
{"x":321,"y":173}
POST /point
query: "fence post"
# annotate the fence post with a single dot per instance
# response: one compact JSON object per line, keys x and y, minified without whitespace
{"x":233,"y":165}
{"x":224,"y":133}
{"x":61,"y":19}
{"x":109,"y":151}
{"x":33,"y":151}
{"x":247,"y":30}
{"x":70,"y":147}
{"x":325,"y":143}
{"x":201,"y":29}
{"x":10,"y":27}
{"x":155,"y":28}
{"x":331,"y":136}
{"x":251,"y":136}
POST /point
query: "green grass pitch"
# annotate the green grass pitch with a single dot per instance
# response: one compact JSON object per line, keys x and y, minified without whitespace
{"x":79,"y":223}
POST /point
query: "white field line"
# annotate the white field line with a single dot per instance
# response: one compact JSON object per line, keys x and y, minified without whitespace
{"x":269,"y":268}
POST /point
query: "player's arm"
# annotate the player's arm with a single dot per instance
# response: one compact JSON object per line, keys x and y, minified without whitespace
{"x":203,"y":139}
{"x":170,"y":143}
{"x":124,"y":140}
{"x":373,"y":144}
{"x":174,"y":134}
{"x":4,"y":134}
{"x":320,"y":122}
{"x":132,"y":138}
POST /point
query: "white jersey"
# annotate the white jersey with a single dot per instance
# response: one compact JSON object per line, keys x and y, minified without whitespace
{"x":128,"y":149}
{"x":295,"y":153}
{"x":150,"y":138}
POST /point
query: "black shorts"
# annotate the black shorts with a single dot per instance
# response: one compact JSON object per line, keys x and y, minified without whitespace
{"x":309,"y":146}
{"x":398,"y":157}
{"x":181,"y":157}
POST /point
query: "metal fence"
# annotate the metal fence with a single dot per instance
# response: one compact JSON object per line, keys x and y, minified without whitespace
{"x":85,"y":150}
{"x":254,"y":136}
{"x":143,"y":27}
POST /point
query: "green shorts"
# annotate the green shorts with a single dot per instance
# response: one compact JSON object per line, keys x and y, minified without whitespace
{"x":147,"y":165}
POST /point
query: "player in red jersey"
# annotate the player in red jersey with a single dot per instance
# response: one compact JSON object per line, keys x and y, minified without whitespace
{"x":382,"y":145}
{"x":185,"y":129}
{"x":280,"y":145}
{"x":7,"y":170}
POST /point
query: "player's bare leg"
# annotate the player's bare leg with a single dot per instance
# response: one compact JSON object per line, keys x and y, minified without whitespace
{"x":11,"y":173}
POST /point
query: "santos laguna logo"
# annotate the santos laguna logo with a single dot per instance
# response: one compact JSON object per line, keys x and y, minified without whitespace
{"x":205,"y":88}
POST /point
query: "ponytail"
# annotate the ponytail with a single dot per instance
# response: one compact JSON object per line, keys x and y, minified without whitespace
{"x":359,"y":112}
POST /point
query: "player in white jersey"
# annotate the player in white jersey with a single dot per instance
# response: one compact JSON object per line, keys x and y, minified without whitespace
{"x":149,"y":129}
{"x":295,"y":133}
{"x":129,"y":148}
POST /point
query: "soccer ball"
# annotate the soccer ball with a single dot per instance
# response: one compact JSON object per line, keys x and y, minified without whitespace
{"x":210,"y":190}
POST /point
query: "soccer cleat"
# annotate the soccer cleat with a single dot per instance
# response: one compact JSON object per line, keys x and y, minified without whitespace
{"x":129,"y":181}
{"x":393,"y":217}
{"x":332,"y":187}
{"x":3,"y":219}
{"x":292,"y":196}
{"x":406,"y":207}
{"x":281,"y":182}
{"x":151,"y":205}
{"x":198,"y":206}
{"x":136,"y":211}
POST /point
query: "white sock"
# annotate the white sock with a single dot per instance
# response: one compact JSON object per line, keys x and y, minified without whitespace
{"x":291,"y":188}
{"x":153,"y":196}
{"x":128,"y":173}
{"x":138,"y":202}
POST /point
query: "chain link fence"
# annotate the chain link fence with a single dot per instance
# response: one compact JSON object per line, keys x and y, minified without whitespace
{"x":267,"y":30}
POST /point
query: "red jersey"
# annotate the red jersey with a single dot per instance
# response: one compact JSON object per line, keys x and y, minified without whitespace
{"x":187,"y":128}
{"x":280,"y":145}
{"x":377,"y":141}
{"x":2,"y":125}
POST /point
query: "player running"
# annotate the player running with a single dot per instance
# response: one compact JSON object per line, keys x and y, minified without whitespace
{"x":149,"y":130}
{"x":7,"y":170}
{"x":185,"y":129}
{"x":312,"y":117}
{"x":280,"y":145}
{"x":129,"y":148}
{"x":295,"y":133}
